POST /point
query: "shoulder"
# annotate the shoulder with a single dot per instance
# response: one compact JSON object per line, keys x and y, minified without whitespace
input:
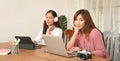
{"x":96,"y":35}
{"x":95,"y":30}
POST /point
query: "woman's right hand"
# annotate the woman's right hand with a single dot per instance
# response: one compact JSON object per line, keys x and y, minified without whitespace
{"x":76,"y":29}
{"x":50,"y":28}
{"x":35,"y":43}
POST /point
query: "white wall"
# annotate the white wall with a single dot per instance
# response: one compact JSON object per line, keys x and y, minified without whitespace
{"x":25,"y":17}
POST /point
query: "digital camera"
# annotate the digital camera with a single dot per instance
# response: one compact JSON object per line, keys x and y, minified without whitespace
{"x":84,"y":54}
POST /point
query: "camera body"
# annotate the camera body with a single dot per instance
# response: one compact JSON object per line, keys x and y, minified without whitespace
{"x":84,"y":54}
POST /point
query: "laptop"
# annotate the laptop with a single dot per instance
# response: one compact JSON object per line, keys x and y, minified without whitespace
{"x":55,"y":45}
{"x":25,"y":42}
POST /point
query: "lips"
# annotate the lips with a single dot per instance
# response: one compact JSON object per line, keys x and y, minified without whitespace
{"x":47,"y":22}
{"x":79,"y":27}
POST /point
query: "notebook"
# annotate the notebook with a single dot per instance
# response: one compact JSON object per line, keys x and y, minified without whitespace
{"x":25,"y":42}
{"x":4,"y":51}
{"x":55,"y":45}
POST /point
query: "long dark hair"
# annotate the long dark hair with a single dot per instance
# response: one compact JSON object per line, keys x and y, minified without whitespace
{"x":56,"y":24}
{"x":89,"y":24}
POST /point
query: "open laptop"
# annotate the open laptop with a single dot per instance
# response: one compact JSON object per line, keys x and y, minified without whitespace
{"x":25,"y":42}
{"x":55,"y":45}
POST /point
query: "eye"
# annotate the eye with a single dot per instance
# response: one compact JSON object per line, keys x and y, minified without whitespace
{"x":50,"y":17}
{"x":81,"y":19}
{"x":75,"y":20}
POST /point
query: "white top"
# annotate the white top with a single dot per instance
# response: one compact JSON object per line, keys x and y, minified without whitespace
{"x":55,"y":32}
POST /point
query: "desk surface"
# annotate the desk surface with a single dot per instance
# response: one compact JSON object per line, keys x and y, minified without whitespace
{"x":38,"y":55}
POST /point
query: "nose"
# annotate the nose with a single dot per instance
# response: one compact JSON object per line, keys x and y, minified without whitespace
{"x":78,"y":22}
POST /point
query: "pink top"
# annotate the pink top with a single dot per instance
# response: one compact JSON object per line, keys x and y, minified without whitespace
{"x":94,"y":44}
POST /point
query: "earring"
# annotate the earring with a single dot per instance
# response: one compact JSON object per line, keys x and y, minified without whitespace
{"x":56,"y":19}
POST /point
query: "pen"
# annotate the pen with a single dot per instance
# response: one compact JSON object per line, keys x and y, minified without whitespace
{"x":17,"y":41}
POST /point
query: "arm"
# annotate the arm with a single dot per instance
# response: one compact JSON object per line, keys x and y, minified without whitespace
{"x":39,"y":36}
{"x":72,"y":41}
{"x":38,"y":39}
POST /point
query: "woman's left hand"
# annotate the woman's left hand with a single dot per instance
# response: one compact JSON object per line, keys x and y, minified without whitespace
{"x":74,"y":49}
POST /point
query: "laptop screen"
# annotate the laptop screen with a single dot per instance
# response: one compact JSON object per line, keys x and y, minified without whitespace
{"x":24,"y":39}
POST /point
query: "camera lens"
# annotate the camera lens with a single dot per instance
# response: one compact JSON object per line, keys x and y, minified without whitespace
{"x":83,"y":56}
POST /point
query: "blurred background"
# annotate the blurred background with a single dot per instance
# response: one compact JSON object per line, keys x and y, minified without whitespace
{"x":25,"y":17}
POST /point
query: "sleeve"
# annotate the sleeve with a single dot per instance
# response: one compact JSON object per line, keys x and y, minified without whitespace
{"x":39,"y":38}
{"x":99,"y":44}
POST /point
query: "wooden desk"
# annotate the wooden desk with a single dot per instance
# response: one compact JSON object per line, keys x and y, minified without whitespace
{"x":38,"y":55}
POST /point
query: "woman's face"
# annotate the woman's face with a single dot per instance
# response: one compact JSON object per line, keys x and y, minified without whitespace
{"x":79,"y":22}
{"x":49,"y":19}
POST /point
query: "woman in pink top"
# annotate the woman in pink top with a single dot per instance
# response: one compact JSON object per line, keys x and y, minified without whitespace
{"x":86,"y":36}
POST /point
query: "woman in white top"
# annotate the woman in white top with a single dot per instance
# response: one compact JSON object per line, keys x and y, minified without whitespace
{"x":51,"y":27}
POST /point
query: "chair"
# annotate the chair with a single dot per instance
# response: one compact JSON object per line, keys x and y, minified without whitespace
{"x":117,"y":48}
{"x":67,"y":34}
{"x":107,"y":35}
{"x":112,"y":45}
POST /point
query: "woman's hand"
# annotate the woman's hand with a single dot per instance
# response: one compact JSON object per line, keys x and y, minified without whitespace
{"x":50,"y":28}
{"x":74,"y":49}
{"x":35,"y":43}
{"x":76,"y":29}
